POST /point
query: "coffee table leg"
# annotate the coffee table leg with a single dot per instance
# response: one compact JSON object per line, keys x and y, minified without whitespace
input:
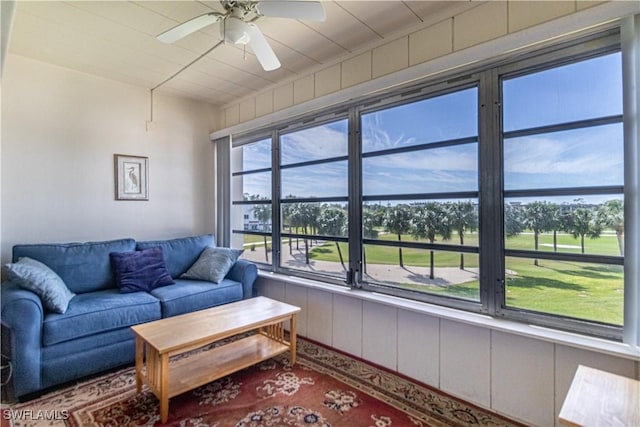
{"x":139,"y":347}
{"x":164,"y":388}
{"x":292,"y":338}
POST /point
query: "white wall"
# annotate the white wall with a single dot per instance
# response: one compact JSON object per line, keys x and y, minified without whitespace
{"x":522,"y":377}
{"x":60,"y":130}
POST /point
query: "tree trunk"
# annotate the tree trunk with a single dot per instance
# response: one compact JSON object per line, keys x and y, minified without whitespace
{"x":306,"y":251}
{"x":266,"y":250}
{"x":582,"y":242}
{"x":400,"y":252}
{"x":290,"y":243}
{"x":340,"y":255}
{"x":555,"y":241}
{"x":535,"y":244}
{"x":431,"y":272}
{"x":461,"y":255}
{"x":619,"y":234}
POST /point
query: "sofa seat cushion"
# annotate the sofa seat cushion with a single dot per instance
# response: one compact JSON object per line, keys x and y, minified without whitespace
{"x":191,"y":295}
{"x":96,"y":312}
{"x":180,"y":254}
{"x":89,"y":343}
{"x":83,"y":267}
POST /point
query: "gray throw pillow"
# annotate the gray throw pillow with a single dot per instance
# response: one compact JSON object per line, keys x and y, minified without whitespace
{"x":36,"y":277}
{"x":213,"y":264}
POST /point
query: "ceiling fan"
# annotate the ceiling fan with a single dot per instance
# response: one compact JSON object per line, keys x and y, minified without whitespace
{"x":236,"y":27}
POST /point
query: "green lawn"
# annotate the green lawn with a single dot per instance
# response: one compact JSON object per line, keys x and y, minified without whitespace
{"x":606,"y":244}
{"x":253,"y":238}
{"x":584,"y":291}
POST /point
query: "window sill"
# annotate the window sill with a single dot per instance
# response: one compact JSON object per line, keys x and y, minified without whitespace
{"x":531,"y":331}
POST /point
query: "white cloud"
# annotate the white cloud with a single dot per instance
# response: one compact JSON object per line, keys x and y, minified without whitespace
{"x":460,"y":158}
{"x":311,"y":144}
{"x":589,"y":152}
{"x":326,"y":180}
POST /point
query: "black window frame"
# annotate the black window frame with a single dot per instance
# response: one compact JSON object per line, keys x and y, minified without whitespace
{"x":426,"y":92}
{"x":319,"y":120}
{"x":491,"y":194}
{"x":247,"y":140}
{"x":590,"y":47}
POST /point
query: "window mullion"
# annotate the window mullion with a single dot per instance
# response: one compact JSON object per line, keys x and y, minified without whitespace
{"x":223,"y":190}
{"x":276,"y":218}
{"x":631,"y":107}
{"x":355,"y":199}
{"x":490,"y":200}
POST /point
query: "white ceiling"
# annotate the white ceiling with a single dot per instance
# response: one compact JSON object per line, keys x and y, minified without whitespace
{"x":116,"y":40}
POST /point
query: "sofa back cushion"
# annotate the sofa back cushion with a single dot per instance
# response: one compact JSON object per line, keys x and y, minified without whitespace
{"x":84,"y":267}
{"x":180,"y":254}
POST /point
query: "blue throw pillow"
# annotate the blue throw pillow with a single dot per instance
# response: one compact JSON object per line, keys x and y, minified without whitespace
{"x":213,"y":264}
{"x":140,"y":270}
{"x":180,"y":253}
{"x":36,"y":277}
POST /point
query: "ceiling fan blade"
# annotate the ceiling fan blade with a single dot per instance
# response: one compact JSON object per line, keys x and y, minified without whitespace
{"x":306,"y":10}
{"x":191,"y":26}
{"x":261,"y":49}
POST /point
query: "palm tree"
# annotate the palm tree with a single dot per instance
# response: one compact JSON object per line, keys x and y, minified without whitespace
{"x":611,"y":215}
{"x":296,"y":219}
{"x":462,"y":218}
{"x":534,"y":217}
{"x":312,"y":212}
{"x":582,"y":222}
{"x":332,"y":222}
{"x":286,"y":219}
{"x":428,"y":221}
{"x":512,"y":220}
{"x":397,"y":220}
{"x":369,"y":222}
{"x":555,"y":222}
{"x":262,"y":213}
{"x":305,"y":216}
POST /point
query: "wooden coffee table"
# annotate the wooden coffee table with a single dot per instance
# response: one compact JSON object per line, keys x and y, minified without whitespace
{"x":158,"y":340}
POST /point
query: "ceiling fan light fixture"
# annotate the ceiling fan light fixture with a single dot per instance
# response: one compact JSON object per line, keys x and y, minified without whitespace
{"x":235,"y":31}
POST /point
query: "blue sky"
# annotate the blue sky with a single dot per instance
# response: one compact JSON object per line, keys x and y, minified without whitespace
{"x":586,"y":157}
{"x":572,"y":92}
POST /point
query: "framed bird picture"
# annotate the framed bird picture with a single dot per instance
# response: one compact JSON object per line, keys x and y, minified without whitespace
{"x":132,"y":177}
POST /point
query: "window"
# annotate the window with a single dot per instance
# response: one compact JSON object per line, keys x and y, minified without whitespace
{"x":314,"y":200}
{"x":500,"y":191}
{"x":564,"y":190}
{"x":420,"y":196}
{"x":251,"y":200}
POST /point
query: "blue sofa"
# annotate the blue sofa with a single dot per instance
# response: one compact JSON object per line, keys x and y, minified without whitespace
{"x":94,"y":334}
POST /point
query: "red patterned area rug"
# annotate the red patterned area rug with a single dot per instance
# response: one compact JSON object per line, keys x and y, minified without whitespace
{"x":324,"y":388}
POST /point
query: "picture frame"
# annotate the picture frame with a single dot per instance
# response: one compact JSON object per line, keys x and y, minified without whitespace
{"x":131,"y":177}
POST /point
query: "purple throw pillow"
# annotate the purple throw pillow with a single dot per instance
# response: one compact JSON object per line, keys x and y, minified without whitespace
{"x":140,"y":270}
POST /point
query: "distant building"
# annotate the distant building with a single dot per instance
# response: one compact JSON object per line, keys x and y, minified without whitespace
{"x":251,"y":223}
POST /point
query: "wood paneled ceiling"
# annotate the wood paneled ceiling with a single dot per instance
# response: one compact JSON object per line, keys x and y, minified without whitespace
{"x":116,"y":40}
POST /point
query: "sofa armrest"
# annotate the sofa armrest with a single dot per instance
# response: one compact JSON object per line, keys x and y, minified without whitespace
{"x":245,"y":272}
{"x":23,"y":314}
